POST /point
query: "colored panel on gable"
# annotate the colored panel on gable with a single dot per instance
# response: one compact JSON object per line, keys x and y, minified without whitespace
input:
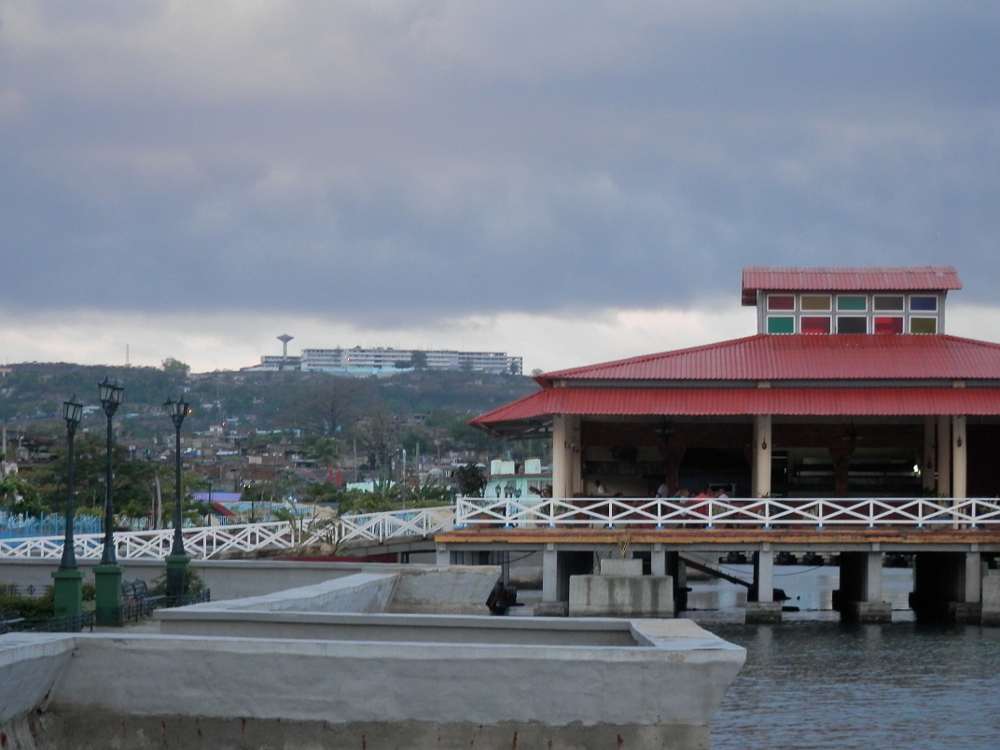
{"x":808,"y":324}
{"x":923,"y":325}
{"x":852,"y":303}
{"x":887,"y":303}
{"x":780,"y":302}
{"x":923,"y":304}
{"x":852,"y":324}
{"x":888,"y":325}
{"x":777,"y":324}
{"x":815,"y":302}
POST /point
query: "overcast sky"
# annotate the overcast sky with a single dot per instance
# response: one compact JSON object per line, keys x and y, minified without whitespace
{"x":569,"y":180}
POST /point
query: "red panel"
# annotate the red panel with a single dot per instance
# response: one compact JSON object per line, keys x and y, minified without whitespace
{"x":888,"y":325}
{"x":902,"y":279}
{"x":796,"y":357}
{"x":908,"y":401}
{"x":781,"y":302}
{"x":809,"y":324}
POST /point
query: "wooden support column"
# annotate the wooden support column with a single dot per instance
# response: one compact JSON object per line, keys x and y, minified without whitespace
{"x":761,"y":478}
{"x":928,"y":466}
{"x":944,"y":456}
{"x":841,"y":454}
{"x":566,"y":456}
{"x":959,"y":470}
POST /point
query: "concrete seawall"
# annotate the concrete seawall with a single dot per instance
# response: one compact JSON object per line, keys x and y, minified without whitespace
{"x":289,"y":670}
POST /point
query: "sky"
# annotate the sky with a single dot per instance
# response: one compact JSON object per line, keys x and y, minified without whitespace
{"x":570,"y":181}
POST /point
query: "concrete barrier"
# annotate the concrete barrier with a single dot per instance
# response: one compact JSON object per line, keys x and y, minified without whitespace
{"x":621,"y":596}
{"x":194,"y":692}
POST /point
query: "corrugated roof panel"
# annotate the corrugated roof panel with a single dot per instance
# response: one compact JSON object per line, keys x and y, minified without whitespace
{"x":798,"y":357}
{"x":889,"y":401}
{"x":906,"y":278}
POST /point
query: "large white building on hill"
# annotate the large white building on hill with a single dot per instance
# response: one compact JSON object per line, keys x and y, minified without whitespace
{"x":386,"y":360}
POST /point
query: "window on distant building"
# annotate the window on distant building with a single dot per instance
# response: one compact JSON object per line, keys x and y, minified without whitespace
{"x":888,"y":325}
{"x":815,"y":302}
{"x":852,"y":324}
{"x":780,"y":324}
{"x":852,"y":303}
{"x":814,"y":324}
{"x":923,"y":325}
{"x":885,"y":303}
{"x":923,"y":304}
{"x":780,"y":302}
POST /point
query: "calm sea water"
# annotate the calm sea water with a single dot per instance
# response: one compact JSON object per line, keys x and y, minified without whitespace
{"x":812,"y":682}
{"x":827,"y":685}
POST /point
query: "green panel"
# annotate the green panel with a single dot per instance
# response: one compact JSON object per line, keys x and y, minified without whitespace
{"x":923,"y":325}
{"x":780,"y":325}
{"x":852,"y":303}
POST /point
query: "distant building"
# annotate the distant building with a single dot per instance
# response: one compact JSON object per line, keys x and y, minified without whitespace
{"x":386,"y":360}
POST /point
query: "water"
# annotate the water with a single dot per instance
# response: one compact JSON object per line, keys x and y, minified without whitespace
{"x":812,"y":682}
{"x":827,"y":685}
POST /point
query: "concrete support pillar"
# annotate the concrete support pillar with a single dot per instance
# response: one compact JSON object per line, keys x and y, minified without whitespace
{"x":947,"y":587}
{"x":859,"y":598}
{"x":761,"y":477}
{"x":550,"y":574}
{"x":676,"y":568}
{"x":443,"y":556}
{"x":928,"y":467}
{"x":567,"y":478}
{"x":972,"y":578}
{"x":764,"y":609}
{"x":763,"y":574}
{"x":944,"y":456}
{"x":658,"y":561}
{"x":959,"y":470}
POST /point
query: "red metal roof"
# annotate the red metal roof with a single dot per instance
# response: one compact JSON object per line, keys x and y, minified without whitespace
{"x":802,"y":357}
{"x":903,"y":279}
{"x":853,"y":401}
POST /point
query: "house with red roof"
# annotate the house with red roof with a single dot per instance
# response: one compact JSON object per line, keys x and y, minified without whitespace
{"x":851,"y":387}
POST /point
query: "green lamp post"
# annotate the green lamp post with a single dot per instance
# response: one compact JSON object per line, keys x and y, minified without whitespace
{"x":177,"y":560}
{"x":108,"y":574}
{"x":67,"y":585}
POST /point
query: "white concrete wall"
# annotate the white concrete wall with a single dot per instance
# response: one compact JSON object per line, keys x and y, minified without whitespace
{"x":621,"y":596}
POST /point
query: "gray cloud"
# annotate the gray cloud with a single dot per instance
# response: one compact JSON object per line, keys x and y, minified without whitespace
{"x":408,"y":160}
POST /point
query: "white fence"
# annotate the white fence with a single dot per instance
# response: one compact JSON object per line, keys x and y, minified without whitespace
{"x":207,"y":542}
{"x":710,"y":513}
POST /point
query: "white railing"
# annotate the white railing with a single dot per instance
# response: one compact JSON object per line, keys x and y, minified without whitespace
{"x":207,"y":542}
{"x":711,"y":512}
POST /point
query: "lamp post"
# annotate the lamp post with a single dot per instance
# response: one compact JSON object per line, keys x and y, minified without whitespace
{"x":67,"y":587}
{"x":177,"y":560}
{"x":108,"y":574}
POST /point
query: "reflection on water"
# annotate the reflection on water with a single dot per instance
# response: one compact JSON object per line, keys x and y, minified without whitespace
{"x":828,"y":685}
{"x":808,"y":588}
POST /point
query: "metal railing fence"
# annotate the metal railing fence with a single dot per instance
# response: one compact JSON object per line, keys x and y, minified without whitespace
{"x":921,"y":512}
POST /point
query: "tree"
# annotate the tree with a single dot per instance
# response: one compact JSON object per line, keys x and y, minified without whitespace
{"x":176,"y":370}
{"x":19,"y":497}
{"x":470,"y":480}
{"x":418,"y":360}
{"x":331,"y":406}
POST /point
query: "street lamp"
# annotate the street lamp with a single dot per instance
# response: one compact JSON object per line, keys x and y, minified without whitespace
{"x":177,"y":560}
{"x":67,"y":589}
{"x":108,"y":574}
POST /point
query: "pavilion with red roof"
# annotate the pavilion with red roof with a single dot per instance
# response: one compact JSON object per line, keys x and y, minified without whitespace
{"x":850,"y":388}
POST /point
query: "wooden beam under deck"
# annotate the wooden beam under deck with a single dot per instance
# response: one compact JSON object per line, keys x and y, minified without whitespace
{"x":988,"y":539}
